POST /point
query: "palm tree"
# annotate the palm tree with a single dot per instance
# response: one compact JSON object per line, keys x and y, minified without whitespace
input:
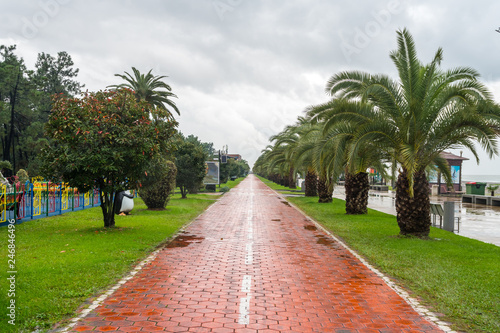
{"x":307,"y":158}
{"x":309,"y":134}
{"x":284,"y":151}
{"x":417,"y":117}
{"x":335,"y":151}
{"x":147,"y":87}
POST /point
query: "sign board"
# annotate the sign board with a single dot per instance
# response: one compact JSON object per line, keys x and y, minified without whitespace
{"x":211,"y":173}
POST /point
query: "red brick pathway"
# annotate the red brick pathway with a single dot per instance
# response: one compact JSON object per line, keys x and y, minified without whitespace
{"x":251,"y":263}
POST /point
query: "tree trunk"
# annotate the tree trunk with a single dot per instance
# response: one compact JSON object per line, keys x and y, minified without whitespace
{"x":311,"y":184}
{"x":9,"y":135}
{"x":107,"y":207}
{"x":291,"y":179}
{"x":284,"y":181}
{"x":356,"y":193}
{"x":324,"y":192}
{"x":413,"y":213}
{"x":184,"y":191}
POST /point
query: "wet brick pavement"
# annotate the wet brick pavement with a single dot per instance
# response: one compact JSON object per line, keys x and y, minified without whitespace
{"x":252,"y":263}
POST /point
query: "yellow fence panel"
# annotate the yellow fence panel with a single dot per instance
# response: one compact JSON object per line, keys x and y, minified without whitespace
{"x":86,"y":197}
{"x":64,"y":196}
{"x":37,"y":198}
{"x":3,"y":203}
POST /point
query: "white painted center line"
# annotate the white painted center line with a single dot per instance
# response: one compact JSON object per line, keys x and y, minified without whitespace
{"x":246,"y":283}
{"x":246,"y":286}
{"x":244,"y":318}
{"x":249,"y":256}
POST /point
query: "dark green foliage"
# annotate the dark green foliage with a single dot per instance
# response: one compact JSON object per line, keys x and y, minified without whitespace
{"x":25,"y":103}
{"x":15,"y":114}
{"x":5,"y":165}
{"x":22,"y":176}
{"x":158,"y":183}
{"x":104,"y":140}
{"x":149,"y":88}
{"x":190,"y":161}
{"x":415,"y":118}
{"x":233,"y":168}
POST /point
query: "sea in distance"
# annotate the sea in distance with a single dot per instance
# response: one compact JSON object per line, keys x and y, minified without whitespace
{"x":490,"y":179}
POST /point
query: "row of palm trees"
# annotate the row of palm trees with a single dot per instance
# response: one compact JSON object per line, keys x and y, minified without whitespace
{"x":373,"y":121}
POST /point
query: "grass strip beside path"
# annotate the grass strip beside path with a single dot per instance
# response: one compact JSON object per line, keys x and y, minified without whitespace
{"x":63,"y":260}
{"x":456,"y":277}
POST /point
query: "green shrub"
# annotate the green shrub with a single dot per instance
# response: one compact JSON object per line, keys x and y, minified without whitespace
{"x":196,"y":188}
{"x":22,"y":176}
{"x":158,"y":183}
{"x":224,"y":189}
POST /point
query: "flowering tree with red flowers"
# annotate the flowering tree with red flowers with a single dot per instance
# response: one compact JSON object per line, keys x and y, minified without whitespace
{"x":103,"y":140}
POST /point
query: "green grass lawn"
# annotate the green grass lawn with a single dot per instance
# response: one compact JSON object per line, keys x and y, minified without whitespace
{"x":63,"y":260}
{"x":230,"y":184}
{"x":281,"y":189}
{"x":452,"y":275}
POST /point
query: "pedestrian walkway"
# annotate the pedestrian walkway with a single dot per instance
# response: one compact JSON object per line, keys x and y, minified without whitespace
{"x":253,"y":263}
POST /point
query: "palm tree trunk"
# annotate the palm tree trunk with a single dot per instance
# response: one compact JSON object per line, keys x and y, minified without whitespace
{"x":284,"y":181}
{"x":413,"y":213}
{"x":356,"y":193}
{"x":291,"y":179}
{"x":324,"y":192}
{"x":311,"y":184}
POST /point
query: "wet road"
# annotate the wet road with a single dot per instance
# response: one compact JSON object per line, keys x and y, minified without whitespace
{"x":479,"y":222}
{"x":253,"y":263}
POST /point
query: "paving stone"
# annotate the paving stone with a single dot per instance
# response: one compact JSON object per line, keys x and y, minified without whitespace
{"x":253,"y":263}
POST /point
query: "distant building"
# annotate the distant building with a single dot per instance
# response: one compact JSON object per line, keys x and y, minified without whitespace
{"x":236,"y":157}
{"x":455,"y":163}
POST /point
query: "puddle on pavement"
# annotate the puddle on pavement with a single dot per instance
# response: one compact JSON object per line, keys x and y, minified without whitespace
{"x":276,"y":220}
{"x":323,"y":240}
{"x":286,"y":203}
{"x":358,"y":277}
{"x":184,"y":240}
{"x":310,"y":227}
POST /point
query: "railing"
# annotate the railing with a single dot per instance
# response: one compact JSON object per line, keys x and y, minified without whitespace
{"x":40,"y":199}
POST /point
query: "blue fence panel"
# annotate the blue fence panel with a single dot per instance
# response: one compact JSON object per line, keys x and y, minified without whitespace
{"x":39,"y":199}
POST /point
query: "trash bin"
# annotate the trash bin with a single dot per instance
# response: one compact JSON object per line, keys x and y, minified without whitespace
{"x":475,"y":188}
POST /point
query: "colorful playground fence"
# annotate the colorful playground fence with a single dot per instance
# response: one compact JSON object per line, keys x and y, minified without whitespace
{"x":39,"y":198}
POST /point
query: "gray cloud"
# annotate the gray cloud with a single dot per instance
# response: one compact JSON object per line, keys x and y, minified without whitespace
{"x":244,"y":69}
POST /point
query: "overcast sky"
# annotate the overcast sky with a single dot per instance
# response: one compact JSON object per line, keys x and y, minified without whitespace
{"x":244,"y":69}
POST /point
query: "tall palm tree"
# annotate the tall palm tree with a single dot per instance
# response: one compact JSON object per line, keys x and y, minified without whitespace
{"x":282,"y":154}
{"x":417,"y":117}
{"x":309,"y":133}
{"x":335,"y":151}
{"x":149,"y":88}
